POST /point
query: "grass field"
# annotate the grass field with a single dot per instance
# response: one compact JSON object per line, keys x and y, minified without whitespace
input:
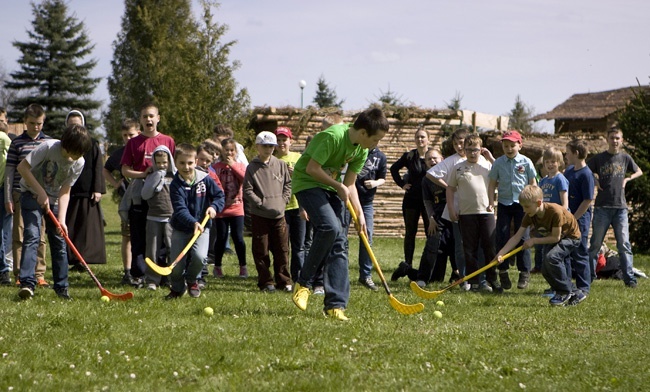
{"x":262,"y":342}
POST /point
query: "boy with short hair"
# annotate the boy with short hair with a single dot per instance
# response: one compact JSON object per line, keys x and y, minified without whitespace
{"x":48,"y":173}
{"x":320,"y":192}
{"x":558,"y":231}
{"x":610,"y":169}
{"x":20,"y":147}
{"x":510,"y":173}
{"x":193,"y":195}
{"x":267,"y":188}
{"x":554,"y":185}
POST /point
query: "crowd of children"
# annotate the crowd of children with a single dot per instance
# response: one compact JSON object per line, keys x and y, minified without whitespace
{"x":166,"y":190}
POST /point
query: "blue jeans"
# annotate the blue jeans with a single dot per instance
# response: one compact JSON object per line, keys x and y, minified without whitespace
{"x":297,"y":228}
{"x":6,"y":221}
{"x":365,"y":264}
{"x":325,"y":211}
{"x":617,"y":218}
{"x":505,"y":214}
{"x":554,"y":266}
{"x":32,"y":217}
{"x":579,"y":264}
{"x":198,"y":257}
{"x":459,"y":251}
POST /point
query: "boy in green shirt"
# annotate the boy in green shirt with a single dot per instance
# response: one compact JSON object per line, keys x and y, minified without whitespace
{"x":317,"y":186}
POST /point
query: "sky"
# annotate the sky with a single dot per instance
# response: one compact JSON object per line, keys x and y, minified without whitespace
{"x":426,"y":52}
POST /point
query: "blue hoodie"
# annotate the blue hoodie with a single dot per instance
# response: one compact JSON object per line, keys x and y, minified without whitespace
{"x":190,"y":201}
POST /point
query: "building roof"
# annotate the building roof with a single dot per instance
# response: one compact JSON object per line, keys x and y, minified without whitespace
{"x":592,"y":105}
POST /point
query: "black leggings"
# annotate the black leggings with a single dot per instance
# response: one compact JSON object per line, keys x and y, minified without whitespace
{"x":411,"y":211}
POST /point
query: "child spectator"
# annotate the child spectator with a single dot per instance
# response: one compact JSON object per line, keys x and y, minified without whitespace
{"x":475,"y":214}
{"x":129,"y":129}
{"x":85,"y":217}
{"x":223,"y":132}
{"x":371,"y":176}
{"x":6,"y":260}
{"x":557,"y":230}
{"x":18,"y":150}
{"x":610,"y":169}
{"x":206,"y":155}
{"x":136,"y":163}
{"x":48,"y":173}
{"x":320,"y":192}
{"x":294,"y":216}
{"x":554,"y":185}
{"x":510,"y":173}
{"x":156,"y":192}
{"x":267,"y":187}
{"x":231,"y":173}
{"x":581,"y":194}
{"x":193,"y":195}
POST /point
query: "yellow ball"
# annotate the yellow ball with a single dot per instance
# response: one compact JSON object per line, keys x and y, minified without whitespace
{"x":440,"y":303}
{"x":105,"y":299}
{"x":438,"y":314}
{"x":208,"y":311}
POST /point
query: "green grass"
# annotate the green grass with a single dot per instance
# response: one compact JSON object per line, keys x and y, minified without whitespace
{"x":263,"y":342}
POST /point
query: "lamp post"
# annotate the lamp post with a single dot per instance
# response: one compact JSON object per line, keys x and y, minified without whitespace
{"x":302,"y":85}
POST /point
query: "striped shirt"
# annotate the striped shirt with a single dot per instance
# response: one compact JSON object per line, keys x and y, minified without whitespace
{"x":20,"y":147}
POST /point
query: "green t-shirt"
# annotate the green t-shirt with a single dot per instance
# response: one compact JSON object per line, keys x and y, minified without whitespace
{"x":291,"y":158}
{"x":332,"y":149}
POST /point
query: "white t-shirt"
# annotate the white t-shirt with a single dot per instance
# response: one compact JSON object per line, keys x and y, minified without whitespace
{"x":471,"y":181}
{"x":51,"y":169}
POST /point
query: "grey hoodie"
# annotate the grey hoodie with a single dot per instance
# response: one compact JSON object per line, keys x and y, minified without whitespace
{"x":267,"y":187}
{"x":156,"y":186}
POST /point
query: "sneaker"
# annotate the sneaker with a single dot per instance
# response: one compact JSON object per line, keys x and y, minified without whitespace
{"x":5,"y":280}
{"x":336,"y":313}
{"x":577,"y":297}
{"x":152,"y":287}
{"x":195,"y":291}
{"x":126,"y":279}
{"x":465,"y":286}
{"x":174,"y":294}
{"x":42,"y":283}
{"x":368,"y":283}
{"x":421,"y":284}
{"x":560,"y":299}
{"x":549,"y":292}
{"x":319,"y":290}
{"x":243,"y":272}
{"x":496,"y":287}
{"x":63,"y":294}
{"x":631,"y":284}
{"x":137,"y":283}
{"x":25,"y":293}
{"x":269,"y":288}
{"x":228,"y":251}
{"x":202,"y":283}
{"x":524,"y":278}
{"x":400,"y":272}
{"x":483,"y":287}
{"x":300,"y":296}
{"x":288,"y":288}
{"x":217,"y":272}
{"x":506,"y":284}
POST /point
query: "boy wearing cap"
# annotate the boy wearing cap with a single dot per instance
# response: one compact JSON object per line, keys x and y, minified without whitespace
{"x":267,"y":189}
{"x":509,"y":175}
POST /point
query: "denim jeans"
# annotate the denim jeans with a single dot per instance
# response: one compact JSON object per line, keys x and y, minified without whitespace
{"x":617,"y":218}
{"x":459,"y":251}
{"x":554,"y":267}
{"x":5,"y":237}
{"x":198,"y":257}
{"x":579,"y":264}
{"x":297,"y":228}
{"x":365,"y":264}
{"x":325,"y":211}
{"x":506,"y":214}
{"x":32,"y":215}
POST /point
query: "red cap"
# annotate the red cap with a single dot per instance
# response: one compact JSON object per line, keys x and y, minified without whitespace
{"x":512,"y":135}
{"x":284,"y":131}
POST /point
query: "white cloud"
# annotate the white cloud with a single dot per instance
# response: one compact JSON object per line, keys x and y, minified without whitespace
{"x":384,"y":57}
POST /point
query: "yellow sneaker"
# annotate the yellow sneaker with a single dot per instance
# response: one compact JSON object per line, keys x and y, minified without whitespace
{"x":300,"y":296}
{"x":337,"y":313}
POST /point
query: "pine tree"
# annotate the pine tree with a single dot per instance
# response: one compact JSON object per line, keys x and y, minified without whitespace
{"x":326,"y":96}
{"x":162,"y":54}
{"x":520,"y":116}
{"x":52,"y":68}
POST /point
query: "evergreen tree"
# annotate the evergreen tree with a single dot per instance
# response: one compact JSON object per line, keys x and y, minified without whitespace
{"x":326,"y":96}
{"x":162,"y":54}
{"x":634,"y":121}
{"x":52,"y":68}
{"x":455,"y":102}
{"x":390,"y":98}
{"x":520,"y":116}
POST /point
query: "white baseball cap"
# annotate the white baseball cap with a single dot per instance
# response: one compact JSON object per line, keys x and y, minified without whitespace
{"x":266,"y":137}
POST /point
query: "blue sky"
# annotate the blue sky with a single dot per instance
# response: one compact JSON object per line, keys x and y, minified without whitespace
{"x":425,"y":51}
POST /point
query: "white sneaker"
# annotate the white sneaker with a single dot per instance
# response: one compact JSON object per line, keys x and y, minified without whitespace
{"x":319,"y":290}
{"x":465,"y":286}
{"x":421,"y":284}
{"x":152,"y":287}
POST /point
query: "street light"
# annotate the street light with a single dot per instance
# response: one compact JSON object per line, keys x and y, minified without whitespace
{"x":302,"y":85}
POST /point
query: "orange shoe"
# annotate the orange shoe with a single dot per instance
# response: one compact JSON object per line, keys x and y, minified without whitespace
{"x":42,"y":283}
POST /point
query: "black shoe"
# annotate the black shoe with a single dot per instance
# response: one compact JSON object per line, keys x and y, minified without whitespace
{"x":368,"y":283}
{"x":631,"y":284}
{"x":401,"y":271}
{"x":5,"y":280}
{"x":26,"y":292}
{"x":126,"y":279}
{"x":137,"y":283}
{"x":174,"y":294}
{"x":506,"y":284}
{"x":496,"y":288}
{"x":524,"y":278}
{"x":228,"y":251}
{"x":63,"y":294}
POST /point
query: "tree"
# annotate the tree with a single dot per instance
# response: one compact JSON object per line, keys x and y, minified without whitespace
{"x":455,"y":102}
{"x":390,"y":98}
{"x":520,"y":116}
{"x":163,"y":54}
{"x":6,"y":96}
{"x":53,"y":72}
{"x":634,"y":121}
{"x":326,"y":96}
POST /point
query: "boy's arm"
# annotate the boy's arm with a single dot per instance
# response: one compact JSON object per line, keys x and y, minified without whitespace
{"x":248,"y":189}
{"x":8,"y":188}
{"x":64,"y":200}
{"x":492,"y":186}
{"x":152,"y":184}
{"x":451,"y":192}
{"x":634,"y":175}
{"x":348,"y":182}
{"x":512,"y":242}
{"x":564,"y":199}
{"x":108,"y":176}
{"x":25,"y":170}
{"x":315,"y":170}
{"x":553,"y":238}
{"x":438,"y":173}
{"x":129,"y":172}
{"x":582,"y":208}
{"x":286,"y":190}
